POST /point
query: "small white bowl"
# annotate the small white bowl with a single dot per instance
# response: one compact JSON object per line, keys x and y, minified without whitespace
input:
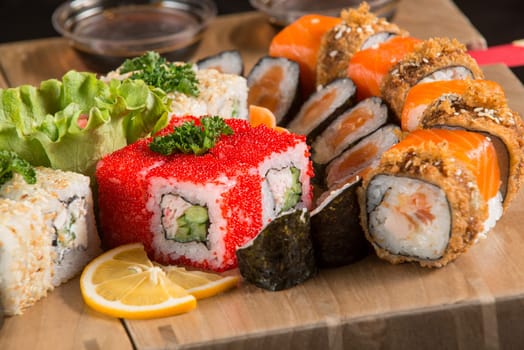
{"x":283,"y":12}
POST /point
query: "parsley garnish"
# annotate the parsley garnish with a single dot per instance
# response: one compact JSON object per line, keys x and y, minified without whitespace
{"x":11,"y":163}
{"x":191,"y":138}
{"x":156,"y":71}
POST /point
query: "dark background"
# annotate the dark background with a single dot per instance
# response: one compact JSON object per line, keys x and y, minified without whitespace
{"x":500,"y":21}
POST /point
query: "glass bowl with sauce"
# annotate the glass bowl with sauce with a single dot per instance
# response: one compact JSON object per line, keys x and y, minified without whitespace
{"x":116,"y":29}
{"x":283,"y":12}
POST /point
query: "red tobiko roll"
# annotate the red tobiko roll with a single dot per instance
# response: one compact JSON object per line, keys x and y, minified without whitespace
{"x":197,"y":210}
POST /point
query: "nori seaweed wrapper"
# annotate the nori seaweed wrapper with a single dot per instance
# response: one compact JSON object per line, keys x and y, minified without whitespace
{"x":281,"y":256}
{"x":338,"y":238}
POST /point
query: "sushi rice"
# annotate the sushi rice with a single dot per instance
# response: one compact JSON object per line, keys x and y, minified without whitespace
{"x":66,"y":237}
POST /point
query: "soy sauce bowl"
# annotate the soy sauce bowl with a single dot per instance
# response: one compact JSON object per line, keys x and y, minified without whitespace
{"x":113,"y":30}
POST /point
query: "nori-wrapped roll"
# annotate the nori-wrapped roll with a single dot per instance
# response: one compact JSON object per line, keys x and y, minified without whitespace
{"x":338,"y":237}
{"x":281,"y":255}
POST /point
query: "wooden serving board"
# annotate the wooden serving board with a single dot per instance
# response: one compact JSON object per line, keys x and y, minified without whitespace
{"x":477,"y":301}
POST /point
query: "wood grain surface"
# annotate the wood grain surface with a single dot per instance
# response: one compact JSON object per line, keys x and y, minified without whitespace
{"x":477,"y":301}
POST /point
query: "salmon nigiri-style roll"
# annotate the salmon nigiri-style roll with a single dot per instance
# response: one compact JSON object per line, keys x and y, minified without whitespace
{"x":432,"y":60}
{"x":431,"y":197}
{"x":421,"y":96}
{"x":300,"y":42}
{"x":483,"y":108}
{"x":360,"y":29}
{"x":367,"y":68}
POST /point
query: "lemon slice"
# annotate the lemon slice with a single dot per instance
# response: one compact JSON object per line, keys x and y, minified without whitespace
{"x":124,"y":283}
{"x":200,"y":284}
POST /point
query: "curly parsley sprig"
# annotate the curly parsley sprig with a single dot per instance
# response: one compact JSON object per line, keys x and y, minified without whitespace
{"x":191,"y":138}
{"x":11,"y":163}
{"x":156,"y":71}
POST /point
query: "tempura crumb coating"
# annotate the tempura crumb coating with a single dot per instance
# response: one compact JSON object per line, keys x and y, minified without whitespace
{"x":428,"y":57}
{"x":494,"y":118}
{"x":432,"y":164}
{"x":340,"y":43}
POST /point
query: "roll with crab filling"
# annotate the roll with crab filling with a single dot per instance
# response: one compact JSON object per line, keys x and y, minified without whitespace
{"x":431,"y":60}
{"x":432,"y":197}
{"x":360,"y":29}
{"x":66,"y":203}
{"x":485,"y":110}
{"x":197,"y":210}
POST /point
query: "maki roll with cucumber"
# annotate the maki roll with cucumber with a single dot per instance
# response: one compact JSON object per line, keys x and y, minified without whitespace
{"x":195,"y":203}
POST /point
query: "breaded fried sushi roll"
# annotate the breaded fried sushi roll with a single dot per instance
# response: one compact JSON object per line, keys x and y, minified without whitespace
{"x":432,"y":196}
{"x":485,"y":110}
{"x":432,"y":60}
{"x":360,"y":29}
{"x":368,"y":68}
{"x":421,"y":96}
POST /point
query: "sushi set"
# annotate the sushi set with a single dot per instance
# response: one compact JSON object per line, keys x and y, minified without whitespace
{"x":387,"y":149}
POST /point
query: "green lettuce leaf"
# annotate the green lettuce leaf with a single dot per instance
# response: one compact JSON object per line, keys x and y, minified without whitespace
{"x":72,"y":123}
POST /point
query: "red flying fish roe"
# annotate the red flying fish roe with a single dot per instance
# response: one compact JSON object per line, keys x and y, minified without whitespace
{"x":123,"y":180}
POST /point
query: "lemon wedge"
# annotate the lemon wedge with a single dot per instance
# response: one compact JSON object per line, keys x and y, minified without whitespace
{"x":200,"y":284}
{"x":123,"y":282}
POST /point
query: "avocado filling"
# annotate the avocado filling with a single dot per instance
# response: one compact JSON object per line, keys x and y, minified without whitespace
{"x":182,"y":221}
{"x":285,"y":188}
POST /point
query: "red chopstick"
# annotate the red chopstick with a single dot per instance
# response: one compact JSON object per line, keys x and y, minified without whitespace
{"x":511,"y":55}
